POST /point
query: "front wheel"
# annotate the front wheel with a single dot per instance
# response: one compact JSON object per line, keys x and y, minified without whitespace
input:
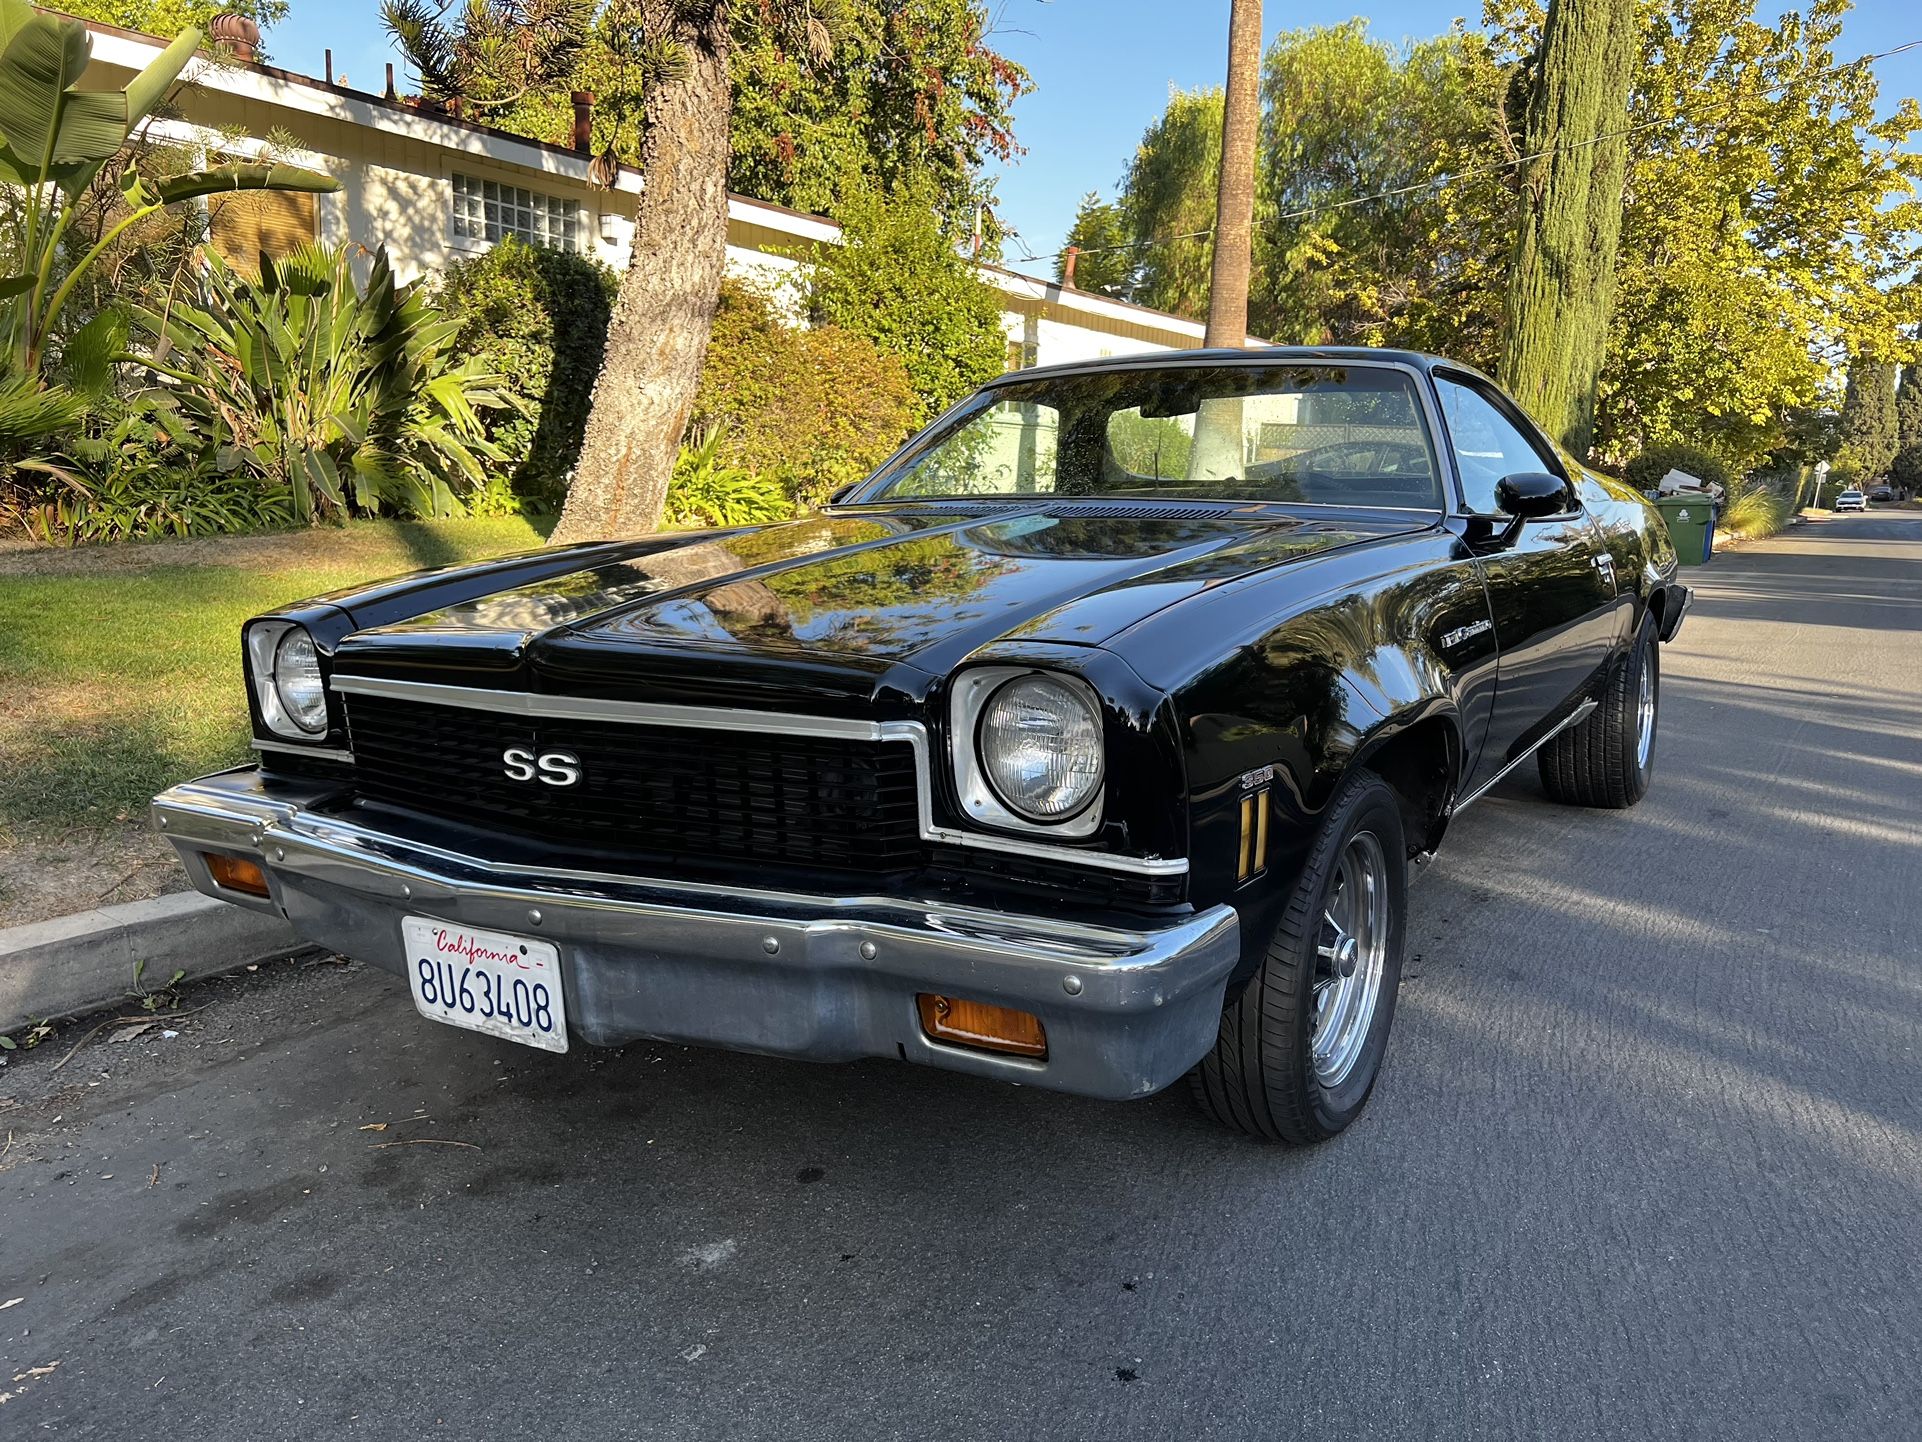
{"x":1608,"y":759}
{"x":1299,"y":1050}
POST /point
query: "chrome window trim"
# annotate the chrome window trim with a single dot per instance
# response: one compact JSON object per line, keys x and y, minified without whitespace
{"x":868,"y":492}
{"x":718,"y":718}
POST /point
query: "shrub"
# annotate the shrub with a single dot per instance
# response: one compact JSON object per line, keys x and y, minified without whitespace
{"x":1645,"y":472}
{"x":140,"y":497}
{"x":810,"y":409}
{"x":896,"y":279}
{"x":539,"y":316}
{"x":351,"y":400}
{"x":707,"y":491}
{"x":1760,"y":505}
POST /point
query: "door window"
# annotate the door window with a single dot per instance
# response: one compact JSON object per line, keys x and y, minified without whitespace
{"x":1487,"y":444}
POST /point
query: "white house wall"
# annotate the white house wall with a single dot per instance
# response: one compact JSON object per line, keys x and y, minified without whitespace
{"x":396,"y":169}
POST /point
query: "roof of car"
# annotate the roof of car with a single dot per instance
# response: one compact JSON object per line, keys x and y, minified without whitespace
{"x":1253,"y":355}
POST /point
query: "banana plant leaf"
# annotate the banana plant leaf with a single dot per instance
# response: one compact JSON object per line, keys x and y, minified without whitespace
{"x":222,"y":180}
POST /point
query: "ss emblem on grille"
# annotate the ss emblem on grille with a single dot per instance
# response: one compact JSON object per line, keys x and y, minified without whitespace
{"x":551,"y":768}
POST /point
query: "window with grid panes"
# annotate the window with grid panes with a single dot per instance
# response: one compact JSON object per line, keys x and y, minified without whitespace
{"x":486,"y":211}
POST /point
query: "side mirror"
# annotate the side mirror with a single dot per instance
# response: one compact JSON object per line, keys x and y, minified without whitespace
{"x":841,"y":493}
{"x":1530,"y":495}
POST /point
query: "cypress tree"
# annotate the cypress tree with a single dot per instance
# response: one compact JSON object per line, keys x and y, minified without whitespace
{"x":1561,"y":284}
{"x":1908,"y":427}
{"x":1869,"y":426}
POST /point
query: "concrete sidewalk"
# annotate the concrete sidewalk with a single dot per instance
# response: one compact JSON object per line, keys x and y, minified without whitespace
{"x":92,"y":958}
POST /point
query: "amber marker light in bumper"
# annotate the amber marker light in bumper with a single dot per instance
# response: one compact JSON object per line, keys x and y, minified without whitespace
{"x":982,"y":1026}
{"x":232,"y":873}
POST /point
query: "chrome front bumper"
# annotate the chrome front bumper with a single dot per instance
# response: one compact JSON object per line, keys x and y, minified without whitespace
{"x":1127,"y":1011}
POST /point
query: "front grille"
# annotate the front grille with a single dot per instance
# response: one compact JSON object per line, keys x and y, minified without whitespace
{"x":823,"y":803}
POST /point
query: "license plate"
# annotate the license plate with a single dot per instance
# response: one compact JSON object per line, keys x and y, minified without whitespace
{"x":486,"y":981}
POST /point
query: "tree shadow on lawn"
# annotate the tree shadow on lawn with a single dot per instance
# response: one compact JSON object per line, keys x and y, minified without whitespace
{"x":432,"y":546}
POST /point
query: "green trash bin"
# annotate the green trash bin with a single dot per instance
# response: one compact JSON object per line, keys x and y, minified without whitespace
{"x":1690,"y":517}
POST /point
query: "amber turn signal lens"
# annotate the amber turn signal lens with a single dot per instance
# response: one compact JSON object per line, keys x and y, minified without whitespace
{"x":233,"y":874}
{"x":978,"y":1024}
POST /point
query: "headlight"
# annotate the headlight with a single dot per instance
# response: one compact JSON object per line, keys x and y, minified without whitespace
{"x":297,"y":681}
{"x":287,"y":682}
{"x":1039,"y":742}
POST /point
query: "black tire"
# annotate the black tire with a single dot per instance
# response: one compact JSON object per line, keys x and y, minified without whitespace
{"x":1261,"y":1077}
{"x":1602,"y":761}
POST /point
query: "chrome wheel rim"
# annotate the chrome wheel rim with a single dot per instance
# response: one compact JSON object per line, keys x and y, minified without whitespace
{"x":1350,"y":957}
{"x":1645,"y":715}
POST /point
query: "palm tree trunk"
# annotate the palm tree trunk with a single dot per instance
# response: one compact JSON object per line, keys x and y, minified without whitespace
{"x":657,"y":337}
{"x":1235,"y":200}
{"x":1561,"y":287}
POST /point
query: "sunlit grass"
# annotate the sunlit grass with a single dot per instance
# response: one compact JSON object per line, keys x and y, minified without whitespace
{"x":120,"y":666}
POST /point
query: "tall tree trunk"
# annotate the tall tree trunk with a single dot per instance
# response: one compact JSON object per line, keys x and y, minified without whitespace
{"x":1235,"y":198}
{"x":657,"y":337}
{"x":1561,"y":283}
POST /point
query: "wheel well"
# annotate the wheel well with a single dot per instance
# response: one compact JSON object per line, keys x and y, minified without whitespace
{"x":1421,"y":762}
{"x":1657,"y":605}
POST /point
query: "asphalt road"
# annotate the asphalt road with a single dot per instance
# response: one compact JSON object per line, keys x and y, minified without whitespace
{"x":1646,"y":1160}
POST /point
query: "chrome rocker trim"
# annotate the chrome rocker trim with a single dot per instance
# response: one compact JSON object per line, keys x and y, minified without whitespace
{"x":1574,"y":718}
{"x":1127,"y":1010}
{"x":717,"y":718}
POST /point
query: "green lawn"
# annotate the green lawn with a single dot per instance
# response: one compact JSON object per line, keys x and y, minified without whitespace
{"x":120,"y":665}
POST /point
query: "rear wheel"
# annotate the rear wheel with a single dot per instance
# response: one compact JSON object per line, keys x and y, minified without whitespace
{"x":1299,"y":1050}
{"x":1608,"y":759}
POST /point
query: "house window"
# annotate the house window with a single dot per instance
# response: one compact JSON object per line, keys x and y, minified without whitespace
{"x":251,"y":224}
{"x":486,"y":212}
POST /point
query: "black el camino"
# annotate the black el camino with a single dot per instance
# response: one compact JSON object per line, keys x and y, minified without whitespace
{"x":1086,"y":745}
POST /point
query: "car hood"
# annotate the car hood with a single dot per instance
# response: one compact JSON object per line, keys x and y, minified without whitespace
{"x":855,"y":589}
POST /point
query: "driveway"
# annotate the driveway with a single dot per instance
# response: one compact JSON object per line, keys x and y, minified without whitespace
{"x":1646,"y":1160}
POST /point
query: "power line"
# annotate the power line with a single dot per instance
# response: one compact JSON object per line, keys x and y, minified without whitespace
{"x":1447,"y":177}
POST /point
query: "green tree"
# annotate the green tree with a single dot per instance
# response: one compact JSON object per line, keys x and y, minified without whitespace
{"x":675,"y":56}
{"x":897,"y":279}
{"x":1869,"y":428}
{"x":1907,"y":469}
{"x":1388,"y":220}
{"x":1168,"y":199}
{"x":1104,"y":253}
{"x":170,"y":17}
{"x":911,"y":87}
{"x":914,"y":90}
{"x":1770,"y":213}
{"x":1561,"y":286}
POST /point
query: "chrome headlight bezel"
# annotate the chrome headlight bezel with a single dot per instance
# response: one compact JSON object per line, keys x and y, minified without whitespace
{"x":974,"y":691}
{"x":265,"y":640}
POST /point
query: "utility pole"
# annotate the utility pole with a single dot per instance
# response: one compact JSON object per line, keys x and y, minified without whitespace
{"x":1235,"y":195}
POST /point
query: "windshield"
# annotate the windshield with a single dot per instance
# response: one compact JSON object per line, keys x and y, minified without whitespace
{"x":1342,"y":435}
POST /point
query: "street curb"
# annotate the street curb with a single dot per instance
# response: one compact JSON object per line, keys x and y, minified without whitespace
{"x":78,"y":963}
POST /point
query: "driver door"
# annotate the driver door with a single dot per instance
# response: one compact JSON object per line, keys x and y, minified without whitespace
{"x":1552,"y":590}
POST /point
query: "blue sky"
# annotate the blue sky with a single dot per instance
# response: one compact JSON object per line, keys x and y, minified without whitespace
{"x":1102,"y":71}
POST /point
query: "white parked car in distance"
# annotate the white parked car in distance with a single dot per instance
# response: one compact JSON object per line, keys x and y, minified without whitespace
{"x":1851,"y":500}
